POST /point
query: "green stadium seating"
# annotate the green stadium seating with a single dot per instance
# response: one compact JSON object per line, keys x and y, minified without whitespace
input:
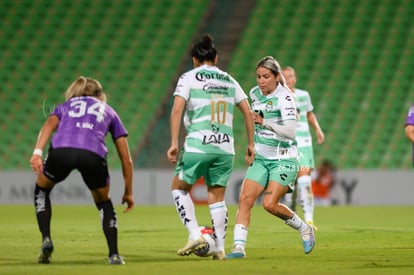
{"x":133,"y":47}
{"x":353,"y":56}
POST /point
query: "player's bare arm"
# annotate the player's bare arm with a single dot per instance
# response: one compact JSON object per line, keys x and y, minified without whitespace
{"x":249,"y":125}
{"x":175,"y":124}
{"x":409,"y":132}
{"x":122,"y":148}
{"x":313,"y":121}
{"x":48,"y":127}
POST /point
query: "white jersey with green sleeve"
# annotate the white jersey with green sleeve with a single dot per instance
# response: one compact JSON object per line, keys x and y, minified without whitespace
{"x":211,"y":96}
{"x":277,"y":107}
{"x":304,"y":104}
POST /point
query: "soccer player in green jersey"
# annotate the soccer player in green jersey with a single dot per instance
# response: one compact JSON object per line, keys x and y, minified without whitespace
{"x":275,"y":167}
{"x":208,"y":97}
{"x":304,"y":139}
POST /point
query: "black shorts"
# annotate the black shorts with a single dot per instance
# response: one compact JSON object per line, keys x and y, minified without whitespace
{"x":60,"y":162}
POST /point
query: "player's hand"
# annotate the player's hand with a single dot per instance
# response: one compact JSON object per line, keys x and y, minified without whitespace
{"x":172,"y":154}
{"x":257,"y":118}
{"x":36,"y":163}
{"x":129,"y":200}
{"x":250,"y":154}
{"x":320,"y":137}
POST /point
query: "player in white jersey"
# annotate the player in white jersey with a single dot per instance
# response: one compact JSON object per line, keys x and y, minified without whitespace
{"x":274,"y":169}
{"x":207,"y":96}
{"x":304,"y":139}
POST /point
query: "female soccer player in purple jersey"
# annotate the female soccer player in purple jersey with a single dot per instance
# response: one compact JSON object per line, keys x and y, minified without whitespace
{"x":409,"y":127}
{"x":80,"y":125}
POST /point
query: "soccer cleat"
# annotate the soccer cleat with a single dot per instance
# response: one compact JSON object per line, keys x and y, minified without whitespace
{"x":311,"y":223}
{"x":219,"y":255}
{"x":308,"y":240}
{"x":236,"y":253}
{"x":116,"y":259}
{"x":191,"y":246}
{"x":46,"y":252}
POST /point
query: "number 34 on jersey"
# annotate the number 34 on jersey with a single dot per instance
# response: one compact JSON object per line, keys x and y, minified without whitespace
{"x":79,"y":108}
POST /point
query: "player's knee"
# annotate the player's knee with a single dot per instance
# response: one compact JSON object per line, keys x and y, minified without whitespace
{"x":270,"y":206}
{"x":246,"y":200}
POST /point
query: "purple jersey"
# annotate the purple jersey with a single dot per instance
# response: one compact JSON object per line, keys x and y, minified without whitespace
{"x":84,"y":123}
{"x":410,"y":117}
{"x":410,"y":121}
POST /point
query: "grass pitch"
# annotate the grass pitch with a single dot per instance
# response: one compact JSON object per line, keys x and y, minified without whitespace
{"x":350,"y":240}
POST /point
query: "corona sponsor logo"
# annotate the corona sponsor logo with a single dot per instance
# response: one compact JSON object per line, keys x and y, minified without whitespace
{"x":203,"y":76}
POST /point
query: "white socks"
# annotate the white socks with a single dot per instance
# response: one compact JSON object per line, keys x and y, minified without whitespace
{"x":305,"y":195}
{"x":219,"y":219}
{"x":240,"y":231}
{"x":186,"y":212}
{"x":296,"y":223}
{"x":240,"y":236}
{"x":287,"y":199}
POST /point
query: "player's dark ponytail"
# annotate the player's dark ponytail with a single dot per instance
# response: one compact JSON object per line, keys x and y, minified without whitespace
{"x":204,"y":50}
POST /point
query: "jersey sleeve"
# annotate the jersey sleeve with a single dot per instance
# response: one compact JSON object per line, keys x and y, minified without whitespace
{"x":287,"y":107}
{"x":309,"y":106}
{"x":58,"y":111}
{"x":240,"y":95}
{"x":183,"y":87}
{"x":410,"y":117}
{"x":117,"y":128}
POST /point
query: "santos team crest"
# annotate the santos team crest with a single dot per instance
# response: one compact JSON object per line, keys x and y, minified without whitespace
{"x":269,"y":106}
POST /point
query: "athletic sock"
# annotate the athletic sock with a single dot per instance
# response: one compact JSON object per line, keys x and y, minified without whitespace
{"x":109,"y":225}
{"x":43,"y":209}
{"x":298,"y":224}
{"x":185,"y":209}
{"x":306,"y":196}
{"x":219,"y":219}
{"x":288,"y":200}
{"x":240,"y":236}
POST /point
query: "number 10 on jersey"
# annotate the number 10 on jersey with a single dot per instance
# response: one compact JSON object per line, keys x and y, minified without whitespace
{"x":218,"y":112}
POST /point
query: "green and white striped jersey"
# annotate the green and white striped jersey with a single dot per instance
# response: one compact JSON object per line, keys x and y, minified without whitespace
{"x":211,"y":96}
{"x":277,"y":107}
{"x":304,"y":104}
